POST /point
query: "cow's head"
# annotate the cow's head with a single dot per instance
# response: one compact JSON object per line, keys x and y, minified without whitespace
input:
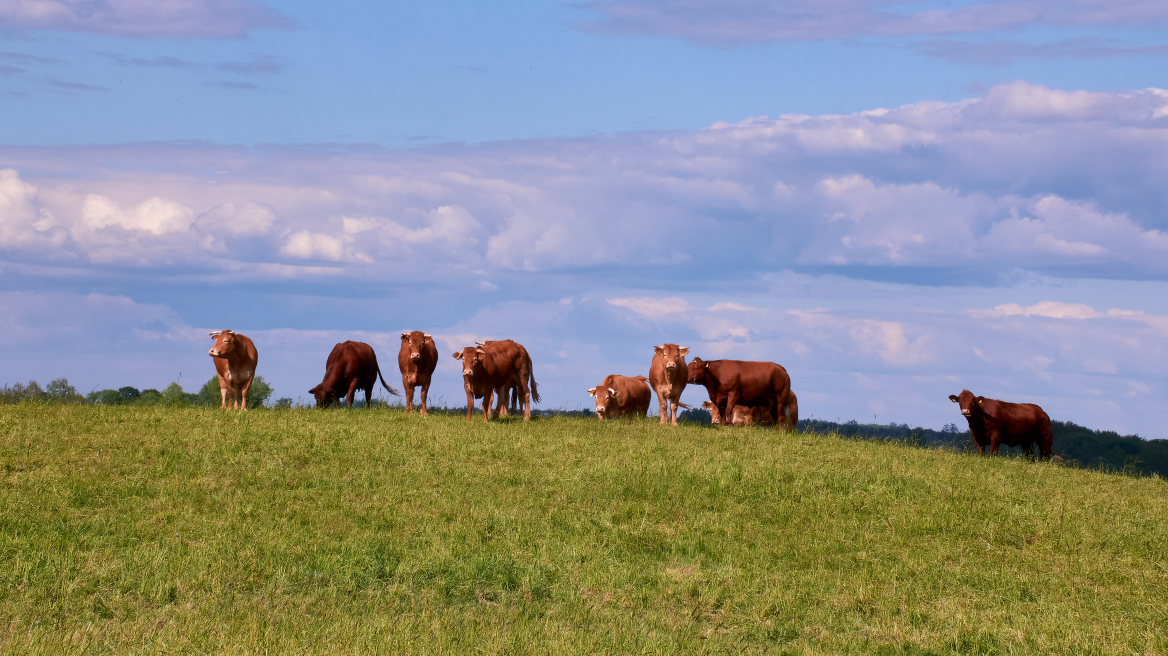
{"x":224,"y":343}
{"x":606,"y":402}
{"x":674,"y":358}
{"x":325,"y":396}
{"x":968,"y":402}
{"x":715,"y":415}
{"x":415,"y":342}
{"x":471,"y":356}
{"x":697,"y":371}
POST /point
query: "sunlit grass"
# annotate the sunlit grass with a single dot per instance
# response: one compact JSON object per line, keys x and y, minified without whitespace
{"x":128,"y":530}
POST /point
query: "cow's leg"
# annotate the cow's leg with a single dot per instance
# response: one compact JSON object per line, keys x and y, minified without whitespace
{"x":1045,"y":440}
{"x":351,"y":395}
{"x":422,"y":395}
{"x":223,"y":385}
{"x":731,"y":401}
{"x":243,"y":394}
{"x":524,"y":393}
{"x":369,"y":395}
{"x":487,"y":403}
{"x":662,"y":406}
{"x":673,"y":411}
{"x":1028,"y":449}
{"x":995,"y":442}
{"x":408,"y":389}
{"x":469,"y":403}
{"x":501,"y":403}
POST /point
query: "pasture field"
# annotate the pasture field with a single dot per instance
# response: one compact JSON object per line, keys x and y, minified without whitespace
{"x":156,"y":530}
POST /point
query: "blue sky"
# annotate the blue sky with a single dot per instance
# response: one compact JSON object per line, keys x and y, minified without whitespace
{"x":895,"y":201}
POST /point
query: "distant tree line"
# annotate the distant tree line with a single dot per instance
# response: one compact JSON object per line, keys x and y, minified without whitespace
{"x":61,"y":392}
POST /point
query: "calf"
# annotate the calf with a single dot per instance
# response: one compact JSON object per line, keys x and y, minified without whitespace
{"x":667,"y":377}
{"x":492,"y":367}
{"x":620,"y":396}
{"x":351,"y":366}
{"x":742,"y":415}
{"x":235,"y":364}
{"x":735,"y":382}
{"x":417,"y":359}
{"x":994,"y":423}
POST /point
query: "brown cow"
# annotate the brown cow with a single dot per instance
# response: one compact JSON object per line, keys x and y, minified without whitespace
{"x":791,"y":411}
{"x":351,"y":366}
{"x":620,"y":396}
{"x":735,"y":382}
{"x":235,"y":363}
{"x":667,"y":377}
{"x":417,"y":359}
{"x":492,"y":367}
{"x":996,"y":422}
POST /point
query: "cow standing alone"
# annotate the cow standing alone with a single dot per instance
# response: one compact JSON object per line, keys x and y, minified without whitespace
{"x":621,"y":396}
{"x":351,"y":366}
{"x":235,"y":363}
{"x":667,"y":377}
{"x":494,"y":367}
{"x":993,"y":423}
{"x":417,"y":359}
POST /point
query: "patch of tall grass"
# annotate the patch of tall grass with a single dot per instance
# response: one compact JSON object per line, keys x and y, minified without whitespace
{"x":157,"y":530}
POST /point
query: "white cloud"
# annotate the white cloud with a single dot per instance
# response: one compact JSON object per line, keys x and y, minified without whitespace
{"x":653,"y":307}
{"x":307,"y":245}
{"x":156,"y":215}
{"x":167,"y":19}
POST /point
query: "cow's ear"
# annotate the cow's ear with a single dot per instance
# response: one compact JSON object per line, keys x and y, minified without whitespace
{"x":657,"y":349}
{"x":683,"y":350}
{"x":425,"y":336}
{"x":980,"y":399}
{"x":591,"y":391}
{"x":405,"y":336}
{"x":458,"y":355}
{"x":953,"y":398}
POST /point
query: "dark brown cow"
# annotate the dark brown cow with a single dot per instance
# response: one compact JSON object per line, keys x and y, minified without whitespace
{"x":994,"y":423}
{"x":667,"y":377}
{"x":494,"y":367}
{"x":619,"y":396}
{"x":351,"y":366}
{"x":417,"y":359}
{"x":235,"y":363}
{"x":735,"y":382}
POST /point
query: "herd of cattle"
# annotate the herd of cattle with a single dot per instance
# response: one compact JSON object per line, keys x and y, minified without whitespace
{"x":741,"y":393}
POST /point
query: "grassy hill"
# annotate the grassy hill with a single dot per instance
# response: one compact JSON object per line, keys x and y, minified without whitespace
{"x":151,"y":530}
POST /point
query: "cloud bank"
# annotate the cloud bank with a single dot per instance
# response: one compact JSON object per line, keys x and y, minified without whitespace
{"x":157,"y":19}
{"x":735,"y":22}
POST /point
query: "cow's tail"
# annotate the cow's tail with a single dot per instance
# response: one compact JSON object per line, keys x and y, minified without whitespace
{"x":531,"y":374}
{"x":387,"y":387}
{"x":682,"y":405}
{"x":641,"y":378}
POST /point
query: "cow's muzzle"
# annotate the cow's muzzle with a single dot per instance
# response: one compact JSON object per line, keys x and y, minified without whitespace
{"x":213,"y":353}
{"x":415,"y":356}
{"x":467,"y":372}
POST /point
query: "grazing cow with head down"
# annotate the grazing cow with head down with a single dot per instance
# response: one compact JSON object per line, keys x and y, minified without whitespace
{"x":235,"y":363}
{"x":497,"y":366}
{"x":621,"y":396}
{"x":417,"y":359}
{"x":667,"y":377}
{"x":351,"y":366}
{"x":751,"y":384}
{"x":994,"y":423}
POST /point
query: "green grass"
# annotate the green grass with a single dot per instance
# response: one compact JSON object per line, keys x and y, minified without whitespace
{"x":149,"y":530}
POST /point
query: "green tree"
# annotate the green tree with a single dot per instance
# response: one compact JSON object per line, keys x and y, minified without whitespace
{"x":174,"y":396}
{"x":104,"y":397}
{"x":129,"y":394}
{"x":149,"y":397}
{"x":257,"y":395}
{"x":60,"y":391}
